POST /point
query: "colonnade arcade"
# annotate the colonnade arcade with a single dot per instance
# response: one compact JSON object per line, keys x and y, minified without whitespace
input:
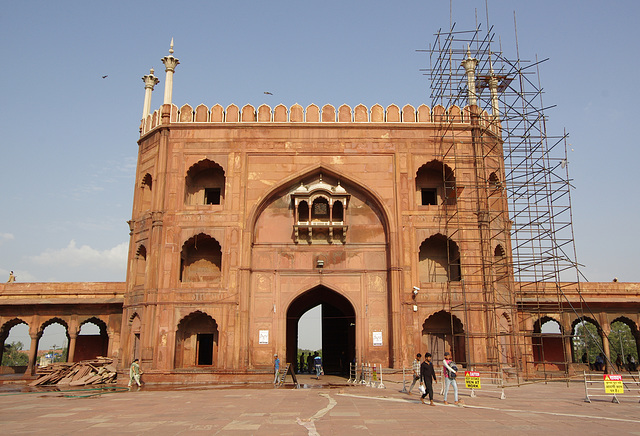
{"x":79,"y":344}
{"x":584,"y":337}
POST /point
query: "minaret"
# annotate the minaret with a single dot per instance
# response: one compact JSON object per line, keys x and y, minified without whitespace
{"x":149,"y":82}
{"x":492,"y":82}
{"x":469,"y":65}
{"x":170,"y":64}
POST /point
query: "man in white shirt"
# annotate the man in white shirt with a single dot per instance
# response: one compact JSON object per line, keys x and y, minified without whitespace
{"x":416,"y":371}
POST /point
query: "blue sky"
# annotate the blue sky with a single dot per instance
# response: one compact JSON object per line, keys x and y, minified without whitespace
{"x":69,"y":137}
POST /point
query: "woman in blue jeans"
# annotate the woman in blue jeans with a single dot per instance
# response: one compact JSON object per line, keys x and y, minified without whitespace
{"x":449,"y":381}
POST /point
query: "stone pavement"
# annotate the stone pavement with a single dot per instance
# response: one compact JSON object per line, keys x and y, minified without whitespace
{"x":328,"y":407}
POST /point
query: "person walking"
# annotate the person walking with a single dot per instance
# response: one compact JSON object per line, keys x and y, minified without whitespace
{"x":416,"y":371}
{"x":427,"y":376}
{"x":276,"y":369}
{"x":449,"y":373}
{"x":134,"y":373}
{"x":317,"y":360}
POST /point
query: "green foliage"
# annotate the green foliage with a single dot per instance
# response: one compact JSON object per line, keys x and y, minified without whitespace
{"x":61,"y":355}
{"x":586,"y":339}
{"x":306,"y":354}
{"x":622,"y":342}
{"x":13,"y":357}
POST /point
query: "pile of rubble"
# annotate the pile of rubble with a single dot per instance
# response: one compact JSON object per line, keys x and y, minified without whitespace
{"x":88,"y":372}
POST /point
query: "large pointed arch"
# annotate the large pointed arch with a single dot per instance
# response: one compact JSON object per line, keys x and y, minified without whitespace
{"x":263,"y":202}
{"x":338,"y":326}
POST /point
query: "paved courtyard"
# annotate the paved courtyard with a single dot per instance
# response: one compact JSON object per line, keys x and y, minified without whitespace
{"x":328,"y":407}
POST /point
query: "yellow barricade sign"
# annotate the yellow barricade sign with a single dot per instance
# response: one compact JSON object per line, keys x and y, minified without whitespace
{"x":613,"y":384}
{"x":472,"y":379}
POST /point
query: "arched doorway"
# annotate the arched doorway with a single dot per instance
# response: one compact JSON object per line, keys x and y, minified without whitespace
{"x":196,"y":341}
{"x":92,"y":340}
{"x":444,"y":332}
{"x":338,"y":327}
{"x":548,"y":346}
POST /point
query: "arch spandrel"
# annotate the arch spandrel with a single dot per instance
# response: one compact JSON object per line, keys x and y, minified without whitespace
{"x":275,"y":220}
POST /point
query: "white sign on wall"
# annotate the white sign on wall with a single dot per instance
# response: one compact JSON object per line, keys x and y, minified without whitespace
{"x":263,"y":337}
{"x":377,"y":339}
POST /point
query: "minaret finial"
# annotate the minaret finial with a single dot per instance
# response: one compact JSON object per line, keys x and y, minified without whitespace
{"x":170,"y":64}
{"x":469,"y":65}
{"x":149,"y":82}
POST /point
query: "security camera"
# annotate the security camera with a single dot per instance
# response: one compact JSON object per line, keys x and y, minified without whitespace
{"x":415,"y":290}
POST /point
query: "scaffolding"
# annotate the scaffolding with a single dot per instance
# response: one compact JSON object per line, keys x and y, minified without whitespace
{"x":514,"y":218}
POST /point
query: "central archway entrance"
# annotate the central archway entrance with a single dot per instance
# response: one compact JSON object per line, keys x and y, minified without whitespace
{"x":338,"y":328}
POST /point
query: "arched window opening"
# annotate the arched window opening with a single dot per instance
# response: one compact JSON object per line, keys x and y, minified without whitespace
{"x":586,"y":342}
{"x":141,"y":266}
{"x":624,"y":339}
{"x":320,"y":210}
{"x":201,"y":260}
{"x":204,"y":184}
{"x":92,"y":340}
{"x":146,"y":186}
{"x":14,"y":345}
{"x":196,"y":341}
{"x":338,"y":212}
{"x":505,"y":334}
{"x":494,"y":181}
{"x":436,"y":184}
{"x":500,"y":265}
{"x":135,"y":323}
{"x":439,"y":260}
{"x":303,"y":212}
{"x":53,"y":342}
{"x":548,"y":348}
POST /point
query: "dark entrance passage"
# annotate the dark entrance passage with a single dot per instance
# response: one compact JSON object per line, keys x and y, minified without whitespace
{"x":205,"y":348}
{"x":338,"y":328}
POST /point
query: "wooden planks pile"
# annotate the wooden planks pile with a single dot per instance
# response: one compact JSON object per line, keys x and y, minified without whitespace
{"x":88,"y":372}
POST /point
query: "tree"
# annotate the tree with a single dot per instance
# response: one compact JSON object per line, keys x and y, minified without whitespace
{"x":622,"y":342}
{"x":586,"y":339}
{"x":12,"y":355}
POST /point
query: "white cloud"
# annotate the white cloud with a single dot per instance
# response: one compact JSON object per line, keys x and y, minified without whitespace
{"x":6,"y":237}
{"x":84,"y":256}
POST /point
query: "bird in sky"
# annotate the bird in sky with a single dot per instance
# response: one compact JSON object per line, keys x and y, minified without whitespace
{"x":268,"y":93}
{"x":104,"y":77}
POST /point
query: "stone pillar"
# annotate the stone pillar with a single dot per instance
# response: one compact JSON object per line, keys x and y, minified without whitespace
{"x":32,"y":354}
{"x":170,"y":64}
{"x":604,"y":334}
{"x":72,"y":347}
{"x":493,"y":89}
{"x":149,"y":82}
{"x":469,"y":65}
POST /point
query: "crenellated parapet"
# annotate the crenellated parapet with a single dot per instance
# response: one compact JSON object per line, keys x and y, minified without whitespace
{"x":314,"y":114}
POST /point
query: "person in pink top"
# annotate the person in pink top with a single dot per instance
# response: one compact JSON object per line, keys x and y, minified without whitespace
{"x":449,"y":372}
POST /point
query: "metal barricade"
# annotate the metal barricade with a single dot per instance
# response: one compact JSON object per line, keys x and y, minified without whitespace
{"x":366,"y":374}
{"x":475,"y":382}
{"x":624,"y":385}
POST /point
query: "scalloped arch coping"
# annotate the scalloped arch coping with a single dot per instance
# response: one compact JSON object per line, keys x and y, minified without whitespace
{"x":314,"y":114}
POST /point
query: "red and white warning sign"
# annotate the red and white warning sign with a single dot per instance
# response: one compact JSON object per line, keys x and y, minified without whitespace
{"x":613,"y":384}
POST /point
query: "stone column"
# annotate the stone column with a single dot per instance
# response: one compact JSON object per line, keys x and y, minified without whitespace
{"x":170,"y":64}
{"x":493,"y":89}
{"x":604,"y":334}
{"x":469,"y":65}
{"x":149,"y":82}
{"x":32,"y":355}
{"x":72,"y":347}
